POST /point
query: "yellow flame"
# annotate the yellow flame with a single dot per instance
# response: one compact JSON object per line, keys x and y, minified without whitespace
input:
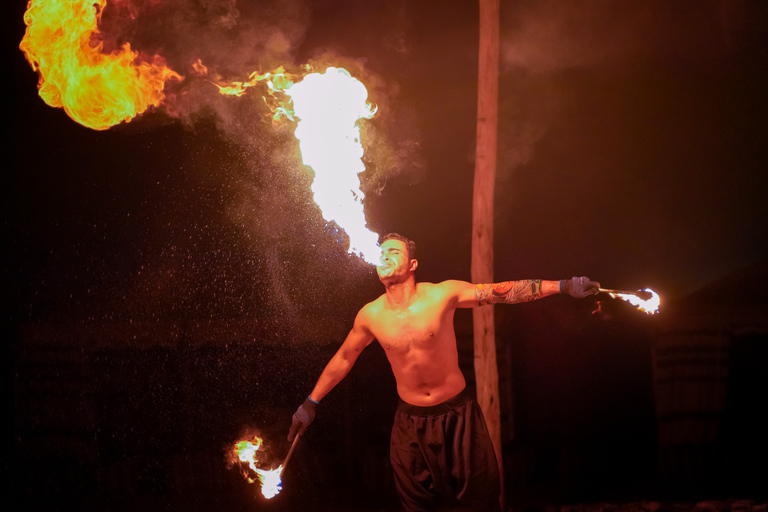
{"x":650,"y":306}
{"x":199,"y":68}
{"x":239,"y":88}
{"x":245,"y":451}
{"x":97,"y":90}
{"x":276,"y":81}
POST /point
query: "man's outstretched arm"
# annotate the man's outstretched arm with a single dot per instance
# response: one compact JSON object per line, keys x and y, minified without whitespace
{"x":512,"y":292}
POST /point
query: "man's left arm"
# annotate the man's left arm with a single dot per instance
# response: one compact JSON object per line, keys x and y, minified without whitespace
{"x":512,"y":292}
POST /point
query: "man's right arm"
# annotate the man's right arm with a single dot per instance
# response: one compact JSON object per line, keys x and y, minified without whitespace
{"x":336,"y":369}
{"x":340,"y":364}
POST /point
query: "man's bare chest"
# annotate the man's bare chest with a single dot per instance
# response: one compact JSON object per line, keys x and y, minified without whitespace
{"x":412,"y":328}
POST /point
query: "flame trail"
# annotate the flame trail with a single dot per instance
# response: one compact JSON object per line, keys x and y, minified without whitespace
{"x":97,"y":90}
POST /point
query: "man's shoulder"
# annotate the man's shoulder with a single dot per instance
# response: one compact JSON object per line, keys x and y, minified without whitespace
{"x":442,"y":290}
{"x":373,"y":306}
{"x":448,"y":285}
{"x":453,"y":292}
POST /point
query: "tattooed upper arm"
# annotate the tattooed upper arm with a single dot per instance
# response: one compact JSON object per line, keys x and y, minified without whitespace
{"x":509,"y":292}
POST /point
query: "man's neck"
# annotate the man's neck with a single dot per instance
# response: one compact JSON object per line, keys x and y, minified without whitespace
{"x":400,"y":294}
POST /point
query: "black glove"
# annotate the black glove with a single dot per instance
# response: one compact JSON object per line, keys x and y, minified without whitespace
{"x":302,"y":418}
{"x":579,"y":287}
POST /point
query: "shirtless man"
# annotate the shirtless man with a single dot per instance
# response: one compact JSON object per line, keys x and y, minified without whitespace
{"x":440,"y":448}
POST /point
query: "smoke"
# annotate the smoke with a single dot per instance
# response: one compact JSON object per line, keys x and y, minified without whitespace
{"x":540,"y":40}
{"x":233,"y":39}
{"x":228,"y":35}
{"x":551,"y":36}
{"x":543,"y":43}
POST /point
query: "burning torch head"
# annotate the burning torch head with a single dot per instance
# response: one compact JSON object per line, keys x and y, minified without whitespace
{"x":645,"y":300}
{"x":246,"y":452}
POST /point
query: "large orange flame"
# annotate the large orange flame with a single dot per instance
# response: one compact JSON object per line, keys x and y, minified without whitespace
{"x":97,"y":90}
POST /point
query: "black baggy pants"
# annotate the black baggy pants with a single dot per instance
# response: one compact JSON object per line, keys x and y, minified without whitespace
{"x":442,"y":456}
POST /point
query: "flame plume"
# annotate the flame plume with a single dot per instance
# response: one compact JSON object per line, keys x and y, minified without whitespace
{"x":328,"y":108}
{"x":97,"y":90}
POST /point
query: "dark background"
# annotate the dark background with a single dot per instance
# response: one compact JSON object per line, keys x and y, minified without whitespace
{"x":169,"y":282}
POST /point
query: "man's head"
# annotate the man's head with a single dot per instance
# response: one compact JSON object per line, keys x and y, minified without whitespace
{"x":410,"y":245}
{"x":398,"y":260}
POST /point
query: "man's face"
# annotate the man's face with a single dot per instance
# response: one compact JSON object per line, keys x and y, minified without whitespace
{"x":394,"y":260}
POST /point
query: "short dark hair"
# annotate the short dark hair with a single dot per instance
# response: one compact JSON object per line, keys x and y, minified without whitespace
{"x":410,"y":245}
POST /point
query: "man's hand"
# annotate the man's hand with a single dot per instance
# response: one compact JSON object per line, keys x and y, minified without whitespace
{"x":302,"y":418}
{"x":579,"y":287}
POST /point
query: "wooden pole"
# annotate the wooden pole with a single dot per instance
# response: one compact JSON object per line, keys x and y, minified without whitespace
{"x":486,"y":370}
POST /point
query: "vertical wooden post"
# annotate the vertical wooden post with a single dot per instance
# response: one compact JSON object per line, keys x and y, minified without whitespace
{"x":486,"y":370}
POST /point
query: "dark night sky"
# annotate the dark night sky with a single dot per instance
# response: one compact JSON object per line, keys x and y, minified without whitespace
{"x":631,"y":150}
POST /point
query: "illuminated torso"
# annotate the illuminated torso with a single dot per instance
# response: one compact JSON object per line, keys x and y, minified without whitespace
{"x":420,"y":344}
